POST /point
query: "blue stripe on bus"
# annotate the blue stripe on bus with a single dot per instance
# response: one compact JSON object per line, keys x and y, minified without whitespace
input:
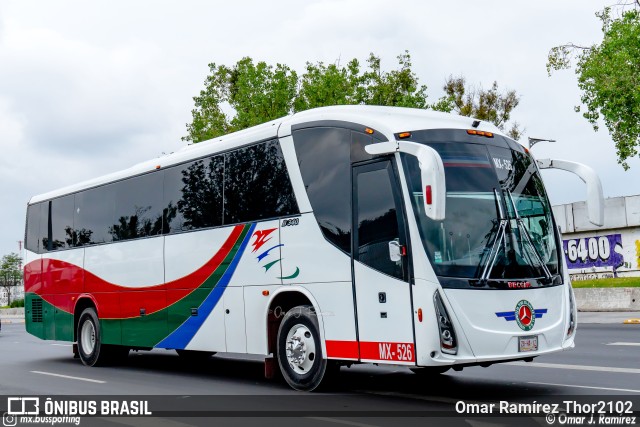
{"x":539,"y":312}
{"x":510,"y":316}
{"x":181,"y":337}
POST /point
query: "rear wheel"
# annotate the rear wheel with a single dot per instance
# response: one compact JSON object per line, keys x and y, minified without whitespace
{"x":299,"y":349}
{"x":91,"y":350}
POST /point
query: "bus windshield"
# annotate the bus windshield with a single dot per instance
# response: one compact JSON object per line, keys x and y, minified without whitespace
{"x":498,"y":230}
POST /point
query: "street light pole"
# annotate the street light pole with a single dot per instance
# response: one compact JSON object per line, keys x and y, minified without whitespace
{"x":534,"y":141}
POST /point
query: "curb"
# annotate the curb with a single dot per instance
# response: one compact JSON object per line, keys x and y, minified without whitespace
{"x":8,"y":321}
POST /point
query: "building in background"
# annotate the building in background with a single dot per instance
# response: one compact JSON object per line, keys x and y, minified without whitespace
{"x":612,"y":250}
{"x":17,"y":292}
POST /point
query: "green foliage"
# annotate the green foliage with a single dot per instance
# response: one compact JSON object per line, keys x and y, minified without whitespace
{"x":618,"y":282}
{"x":17,"y":303}
{"x":258,"y":93}
{"x":609,"y":78}
{"x":331,"y":84}
{"x":489,"y":105}
{"x":10,"y":267}
{"x":10,"y":271}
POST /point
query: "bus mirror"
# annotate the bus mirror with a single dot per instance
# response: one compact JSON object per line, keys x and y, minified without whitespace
{"x":434,"y":189}
{"x":595,"y":197}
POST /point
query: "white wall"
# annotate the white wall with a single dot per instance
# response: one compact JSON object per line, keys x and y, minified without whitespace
{"x":595,"y":252}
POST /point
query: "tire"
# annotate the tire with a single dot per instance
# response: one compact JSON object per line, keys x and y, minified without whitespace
{"x":195,"y":356}
{"x":299,"y":349}
{"x":91,"y":350}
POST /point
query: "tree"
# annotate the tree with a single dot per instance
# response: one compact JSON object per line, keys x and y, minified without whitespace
{"x":490,"y":105}
{"x":258,"y":93}
{"x":10,"y":273}
{"x":609,"y":77}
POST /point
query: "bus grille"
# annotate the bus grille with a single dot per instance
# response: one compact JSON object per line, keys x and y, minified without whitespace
{"x":36,"y":310}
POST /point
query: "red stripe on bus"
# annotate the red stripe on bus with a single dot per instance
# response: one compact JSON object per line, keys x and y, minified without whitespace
{"x":371,"y":350}
{"x":342,"y":349}
{"x":67,"y":281}
{"x":390,"y":351}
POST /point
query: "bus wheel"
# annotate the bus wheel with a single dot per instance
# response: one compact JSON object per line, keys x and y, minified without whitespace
{"x":195,"y":356}
{"x":90,"y":349}
{"x":299,"y":349}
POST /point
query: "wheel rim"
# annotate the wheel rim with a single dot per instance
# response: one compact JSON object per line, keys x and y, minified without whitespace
{"x":300,"y":348}
{"x":88,"y":337}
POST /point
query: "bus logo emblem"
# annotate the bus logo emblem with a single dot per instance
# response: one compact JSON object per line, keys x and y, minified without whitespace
{"x":525,"y":315}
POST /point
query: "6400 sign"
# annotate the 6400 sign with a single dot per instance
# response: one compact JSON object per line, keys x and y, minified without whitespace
{"x":597,"y":251}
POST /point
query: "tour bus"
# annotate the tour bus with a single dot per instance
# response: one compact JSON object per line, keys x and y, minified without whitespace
{"x":334,"y":236}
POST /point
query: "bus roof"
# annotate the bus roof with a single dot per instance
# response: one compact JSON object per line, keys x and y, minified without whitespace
{"x":386,"y":120}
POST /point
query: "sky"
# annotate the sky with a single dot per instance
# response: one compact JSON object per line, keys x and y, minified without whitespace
{"x":89,"y":88}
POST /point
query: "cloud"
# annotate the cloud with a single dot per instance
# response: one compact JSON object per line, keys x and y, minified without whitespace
{"x":87,"y":88}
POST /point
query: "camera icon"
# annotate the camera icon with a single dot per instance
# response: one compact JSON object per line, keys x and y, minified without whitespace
{"x":9,"y":420}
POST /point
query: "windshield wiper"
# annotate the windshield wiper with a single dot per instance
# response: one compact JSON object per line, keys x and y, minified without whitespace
{"x":493,"y":254}
{"x":527,"y":236}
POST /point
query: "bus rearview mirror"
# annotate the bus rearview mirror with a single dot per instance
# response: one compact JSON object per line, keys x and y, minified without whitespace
{"x":434,"y":191}
{"x":595,"y":196}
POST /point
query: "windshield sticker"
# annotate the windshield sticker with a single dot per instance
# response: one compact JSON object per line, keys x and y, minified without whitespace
{"x":503,"y":164}
{"x":437,"y":257}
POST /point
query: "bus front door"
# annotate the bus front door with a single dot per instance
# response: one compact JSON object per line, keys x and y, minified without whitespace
{"x":380,"y":266}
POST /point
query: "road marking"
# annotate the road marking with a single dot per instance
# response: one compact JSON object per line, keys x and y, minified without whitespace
{"x":625,"y":343}
{"x":63,"y":345}
{"x":576,"y":367}
{"x":590,"y":387}
{"x":68,"y":377}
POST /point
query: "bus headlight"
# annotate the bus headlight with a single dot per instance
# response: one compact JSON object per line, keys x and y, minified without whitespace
{"x":448,"y":342}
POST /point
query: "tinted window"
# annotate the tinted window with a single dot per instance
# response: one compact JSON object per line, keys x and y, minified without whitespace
{"x":138,"y":211}
{"x":94,"y":214}
{"x":45,"y":226}
{"x":377,"y":218}
{"x":61,"y":223}
{"x":324,"y":159}
{"x":360,"y":140}
{"x":32,"y":235}
{"x":257,"y":184}
{"x":193,"y":195}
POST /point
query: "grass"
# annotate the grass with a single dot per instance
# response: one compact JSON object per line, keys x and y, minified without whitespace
{"x":617,"y":282}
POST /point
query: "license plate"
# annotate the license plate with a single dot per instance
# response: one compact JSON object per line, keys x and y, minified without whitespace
{"x":529,"y":343}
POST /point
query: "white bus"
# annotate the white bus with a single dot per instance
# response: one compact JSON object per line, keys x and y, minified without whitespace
{"x":334,"y":236}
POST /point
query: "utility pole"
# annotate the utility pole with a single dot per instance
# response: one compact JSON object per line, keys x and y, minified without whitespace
{"x":20,"y":253}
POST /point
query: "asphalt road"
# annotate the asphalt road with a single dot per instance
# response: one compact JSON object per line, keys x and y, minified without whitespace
{"x":605,"y":364}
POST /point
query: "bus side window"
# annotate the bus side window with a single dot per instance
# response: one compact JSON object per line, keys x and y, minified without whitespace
{"x":61,"y":223}
{"x":33,"y":228}
{"x":94,"y":214}
{"x":257,"y":185}
{"x":377,"y":219}
{"x":324,"y":159}
{"x":193,"y":195}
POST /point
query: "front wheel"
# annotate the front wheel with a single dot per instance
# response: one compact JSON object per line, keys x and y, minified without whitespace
{"x":299,"y":349}
{"x":91,"y":350}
